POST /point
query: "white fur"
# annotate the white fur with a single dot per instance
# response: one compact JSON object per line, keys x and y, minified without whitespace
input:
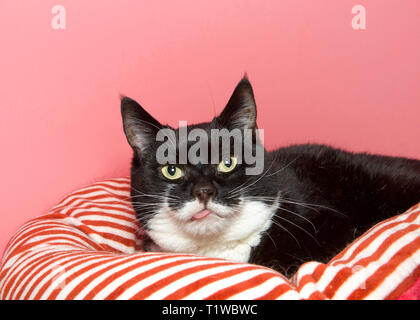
{"x":226,"y":233}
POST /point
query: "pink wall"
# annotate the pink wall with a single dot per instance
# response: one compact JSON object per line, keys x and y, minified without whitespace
{"x":315,"y":79}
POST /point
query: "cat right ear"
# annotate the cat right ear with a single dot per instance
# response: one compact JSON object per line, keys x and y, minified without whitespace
{"x":140,"y":127}
{"x":241,"y":111}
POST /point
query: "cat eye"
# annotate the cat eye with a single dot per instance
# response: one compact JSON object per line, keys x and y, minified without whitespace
{"x":172,"y":172}
{"x":227,"y":165}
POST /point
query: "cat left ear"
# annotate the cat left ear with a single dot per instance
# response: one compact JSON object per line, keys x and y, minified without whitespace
{"x":139,"y":126}
{"x":241,"y":111}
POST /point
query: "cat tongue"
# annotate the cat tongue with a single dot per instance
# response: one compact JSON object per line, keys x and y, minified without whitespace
{"x":201,"y":214}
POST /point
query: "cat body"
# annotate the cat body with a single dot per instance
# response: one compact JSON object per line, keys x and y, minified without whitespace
{"x":308,"y":202}
{"x":329,"y":197}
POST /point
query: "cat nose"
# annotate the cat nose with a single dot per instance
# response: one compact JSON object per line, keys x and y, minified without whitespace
{"x":203,"y":192}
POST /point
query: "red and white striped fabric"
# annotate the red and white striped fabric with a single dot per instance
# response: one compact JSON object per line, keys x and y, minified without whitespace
{"x":87,"y":247}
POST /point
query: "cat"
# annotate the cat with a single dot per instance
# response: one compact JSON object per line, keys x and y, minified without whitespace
{"x":309,"y":202}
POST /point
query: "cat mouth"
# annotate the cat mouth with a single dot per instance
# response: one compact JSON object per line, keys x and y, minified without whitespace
{"x":202,"y":214}
{"x":207,"y":212}
{"x":196,"y":212}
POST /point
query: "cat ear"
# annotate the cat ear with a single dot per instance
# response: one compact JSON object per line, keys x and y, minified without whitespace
{"x":139,"y":126}
{"x":241,"y":111}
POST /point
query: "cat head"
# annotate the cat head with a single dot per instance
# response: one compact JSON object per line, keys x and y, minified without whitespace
{"x":197,"y":198}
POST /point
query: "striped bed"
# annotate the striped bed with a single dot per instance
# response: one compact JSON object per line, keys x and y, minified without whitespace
{"x":88,"y":247}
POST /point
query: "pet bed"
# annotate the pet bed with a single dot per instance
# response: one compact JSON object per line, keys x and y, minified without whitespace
{"x":88,"y":247}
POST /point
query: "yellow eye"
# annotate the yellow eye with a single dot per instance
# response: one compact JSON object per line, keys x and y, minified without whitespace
{"x":227,"y":165}
{"x":172,"y":172}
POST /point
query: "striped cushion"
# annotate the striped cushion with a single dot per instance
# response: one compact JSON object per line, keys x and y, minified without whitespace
{"x":88,"y":247}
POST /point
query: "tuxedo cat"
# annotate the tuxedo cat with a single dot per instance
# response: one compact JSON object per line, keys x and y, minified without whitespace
{"x":309,"y":202}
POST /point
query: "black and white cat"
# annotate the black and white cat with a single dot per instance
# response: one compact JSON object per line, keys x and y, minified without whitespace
{"x":309,"y":202}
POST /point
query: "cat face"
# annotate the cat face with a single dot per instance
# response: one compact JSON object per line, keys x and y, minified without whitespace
{"x":193,"y":201}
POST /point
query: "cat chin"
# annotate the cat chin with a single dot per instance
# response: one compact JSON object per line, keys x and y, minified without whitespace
{"x":229,"y":235}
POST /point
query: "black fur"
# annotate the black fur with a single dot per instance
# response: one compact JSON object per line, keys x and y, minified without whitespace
{"x":328,"y":197}
{"x":342,"y":194}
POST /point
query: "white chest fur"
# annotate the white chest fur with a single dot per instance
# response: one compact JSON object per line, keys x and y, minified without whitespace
{"x":232,"y":239}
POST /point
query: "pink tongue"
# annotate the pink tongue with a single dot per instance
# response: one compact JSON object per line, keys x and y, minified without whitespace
{"x":201,"y":214}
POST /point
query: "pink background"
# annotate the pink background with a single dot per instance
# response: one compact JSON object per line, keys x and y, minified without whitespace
{"x":315,"y":80}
